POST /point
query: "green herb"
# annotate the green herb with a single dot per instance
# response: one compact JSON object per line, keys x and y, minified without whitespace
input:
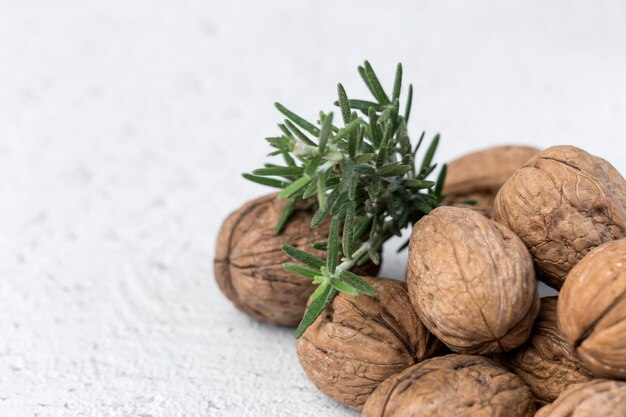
{"x":365,"y":179}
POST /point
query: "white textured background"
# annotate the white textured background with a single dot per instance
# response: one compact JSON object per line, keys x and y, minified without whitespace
{"x":124,"y":126}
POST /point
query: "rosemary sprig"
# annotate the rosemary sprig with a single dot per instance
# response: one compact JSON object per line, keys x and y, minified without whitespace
{"x":366,"y":181}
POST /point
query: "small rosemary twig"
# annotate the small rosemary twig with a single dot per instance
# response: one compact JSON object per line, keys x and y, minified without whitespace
{"x":364,"y":177}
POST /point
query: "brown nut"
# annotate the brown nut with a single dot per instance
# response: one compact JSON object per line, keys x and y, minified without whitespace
{"x":471,"y":281}
{"x":547,"y":362}
{"x":249,"y":260}
{"x":592,"y":309}
{"x":479,"y":175}
{"x":596,"y":398}
{"x":452,"y":385}
{"x":360,"y":341}
{"x":563,"y":203}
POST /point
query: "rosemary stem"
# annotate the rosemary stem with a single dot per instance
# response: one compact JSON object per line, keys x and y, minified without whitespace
{"x":349,"y":263}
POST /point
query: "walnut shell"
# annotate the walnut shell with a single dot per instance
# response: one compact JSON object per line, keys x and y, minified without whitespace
{"x":596,"y":398}
{"x":479,"y":175}
{"x":360,"y":341}
{"x":592,"y":309}
{"x":547,"y":362}
{"x":452,"y":385}
{"x":563,"y":203}
{"x":471,"y":281}
{"x":249,"y":260}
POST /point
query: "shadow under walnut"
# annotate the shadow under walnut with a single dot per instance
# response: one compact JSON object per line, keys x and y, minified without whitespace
{"x":546,"y":362}
{"x":479,"y":175}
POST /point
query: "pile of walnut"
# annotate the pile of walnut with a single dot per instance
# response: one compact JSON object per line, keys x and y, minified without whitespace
{"x":467,"y":335}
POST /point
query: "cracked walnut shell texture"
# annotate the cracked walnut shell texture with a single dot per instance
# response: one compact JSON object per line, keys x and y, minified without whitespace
{"x":563,"y":203}
{"x":358,"y":342}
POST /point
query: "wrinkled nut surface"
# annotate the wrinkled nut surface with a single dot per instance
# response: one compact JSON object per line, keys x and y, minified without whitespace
{"x":592,"y":309}
{"x":596,"y":398}
{"x":547,"y":362}
{"x":358,"y":342}
{"x":479,"y":175}
{"x":452,"y":385}
{"x":471,"y":281}
{"x":563,"y":203}
{"x":249,"y":260}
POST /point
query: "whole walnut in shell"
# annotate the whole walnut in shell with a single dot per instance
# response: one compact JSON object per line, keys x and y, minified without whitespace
{"x":249,"y":260}
{"x":479,"y":175}
{"x":592,"y":309}
{"x":547,"y":362}
{"x":452,"y":385}
{"x":471,"y":281}
{"x":357,"y":342}
{"x":596,"y":398}
{"x":563,"y":203}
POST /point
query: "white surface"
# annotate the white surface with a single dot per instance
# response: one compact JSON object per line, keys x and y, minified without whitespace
{"x":124,"y":126}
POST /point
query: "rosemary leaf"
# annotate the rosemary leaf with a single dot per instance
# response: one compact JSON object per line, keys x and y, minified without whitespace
{"x":323,"y":246}
{"x":303,"y":257}
{"x":357,"y":282}
{"x":441,"y":179}
{"x":376,"y":88}
{"x":365,"y":157}
{"x":284,"y":216}
{"x":343,"y":104}
{"x":418,"y":184}
{"x":347,"y":238}
{"x":344,"y":287}
{"x":309,"y":127}
{"x":321,"y":213}
{"x":322,"y":296}
{"x":301,"y":270}
{"x":293,"y":128}
{"x":349,"y":128}
{"x":310,"y":189}
{"x":277,"y":170}
{"x":393,"y":169}
{"x":270,"y":182}
{"x":334,"y":253}
{"x":397,"y":84}
{"x":327,"y":122}
{"x":294,"y":187}
{"x":430,"y":153}
{"x":289,"y":160}
{"x":353,"y":139}
{"x":362,"y":105}
{"x":409,"y":103}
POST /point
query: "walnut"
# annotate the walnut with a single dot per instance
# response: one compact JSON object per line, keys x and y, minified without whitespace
{"x":359,"y":341}
{"x":592,"y":309}
{"x":249,"y":260}
{"x":600,"y":397}
{"x":479,"y":175}
{"x":563,"y":203}
{"x":471,"y":281}
{"x":452,"y":385}
{"x":547,"y":362}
